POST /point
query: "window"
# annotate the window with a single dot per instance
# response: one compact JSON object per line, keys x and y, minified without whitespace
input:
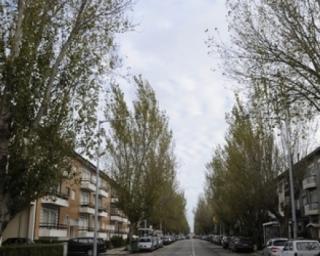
{"x":84,"y":197}
{"x":93,"y":179}
{"x":66,"y":220}
{"x":85,"y":174}
{"x":308,"y":246}
{"x":49,"y":216}
{"x":72,"y":194}
{"x":83,"y":221}
{"x":279,"y":242}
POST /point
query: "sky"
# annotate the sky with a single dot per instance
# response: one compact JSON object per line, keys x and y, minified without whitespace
{"x":167,"y":47}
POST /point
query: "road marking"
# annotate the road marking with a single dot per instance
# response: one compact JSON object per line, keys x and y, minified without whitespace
{"x":193,"y":251}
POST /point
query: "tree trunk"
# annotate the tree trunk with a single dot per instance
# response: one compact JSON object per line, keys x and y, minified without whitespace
{"x":132,"y":229}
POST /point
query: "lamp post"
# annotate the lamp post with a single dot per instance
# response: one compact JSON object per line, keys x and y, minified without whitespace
{"x":96,"y":206}
{"x":291,"y":186}
{"x":96,"y":212}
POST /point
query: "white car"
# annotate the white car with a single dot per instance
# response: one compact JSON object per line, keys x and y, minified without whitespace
{"x":301,"y":248}
{"x":274,"y":246}
{"x":146,"y":244}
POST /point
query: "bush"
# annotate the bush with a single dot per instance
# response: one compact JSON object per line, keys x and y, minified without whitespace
{"x":32,"y":250}
{"x":117,"y":241}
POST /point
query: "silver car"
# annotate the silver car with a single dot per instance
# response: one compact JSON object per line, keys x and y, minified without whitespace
{"x":301,"y":248}
{"x":274,"y":246}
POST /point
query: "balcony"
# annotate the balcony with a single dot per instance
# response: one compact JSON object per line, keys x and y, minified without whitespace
{"x":86,"y":184}
{"x":111,"y":228}
{"x":103,"y":193}
{"x":103,"y":212}
{"x":311,"y":209}
{"x":87,"y":208}
{"x":53,"y":230}
{"x":102,"y":234}
{"x":86,"y":231}
{"x":114,"y":200}
{"x":309,"y":182}
{"x":58,"y":199}
{"x":116,"y":218}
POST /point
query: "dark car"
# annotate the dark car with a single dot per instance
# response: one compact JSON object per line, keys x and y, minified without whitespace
{"x":225,"y":241}
{"x":17,"y":241}
{"x":241,"y":244}
{"x":84,"y":246}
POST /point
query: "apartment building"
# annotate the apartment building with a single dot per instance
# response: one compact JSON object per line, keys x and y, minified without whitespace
{"x":69,"y":209}
{"x":306,"y":174}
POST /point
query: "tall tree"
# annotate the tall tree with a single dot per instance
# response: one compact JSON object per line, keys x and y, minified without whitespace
{"x":139,"y":147}
{"x":203,"y":217}
{"x":242,"y":175}
{"x":275,"y":48}
{"x":51,"y":54}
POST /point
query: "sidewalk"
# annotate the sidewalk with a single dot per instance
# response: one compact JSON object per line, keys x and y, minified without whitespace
{"x":117,"y":251}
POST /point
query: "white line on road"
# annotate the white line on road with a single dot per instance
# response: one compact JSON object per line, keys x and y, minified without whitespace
{"x":193,"y":251}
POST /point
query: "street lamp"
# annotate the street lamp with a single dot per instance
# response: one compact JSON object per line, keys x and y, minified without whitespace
{"x":290,"y":165}
{"x":96,"y":212}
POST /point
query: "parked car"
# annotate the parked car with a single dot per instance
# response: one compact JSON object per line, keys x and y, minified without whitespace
{"x":17,"y":241}
{"x":84,"y":245}
{"x":166,"y":240}
{"x":225,"y":241}
{"x":274,"y":246}
{"x":301,"y":248}
{"x":146,"y":244}
{"x":238,"y":243}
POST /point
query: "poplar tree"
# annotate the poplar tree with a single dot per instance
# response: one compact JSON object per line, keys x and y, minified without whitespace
{"x":140,"y":153}
{"x":242,"y":176}
{"x":52,"y":54}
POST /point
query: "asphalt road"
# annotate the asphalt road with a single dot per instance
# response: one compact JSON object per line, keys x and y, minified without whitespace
{"x":193,"y":247}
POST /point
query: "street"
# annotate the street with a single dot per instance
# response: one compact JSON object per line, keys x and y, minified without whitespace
{"x":192,"y":247}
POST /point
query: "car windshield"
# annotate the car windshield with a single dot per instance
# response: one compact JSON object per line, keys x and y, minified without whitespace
{"x":144,"y":240}
{"x":308,"y":246}
{"x":279,"y":242}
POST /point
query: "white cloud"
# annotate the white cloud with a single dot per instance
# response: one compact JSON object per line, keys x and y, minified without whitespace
{"x":168,"y":49}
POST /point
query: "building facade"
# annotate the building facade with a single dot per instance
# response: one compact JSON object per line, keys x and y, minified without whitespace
{"x":306,"y":174}
{"x":69,"y":210}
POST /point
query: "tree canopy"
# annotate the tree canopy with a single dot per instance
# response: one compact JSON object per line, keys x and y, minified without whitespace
{"x":142,"y":162}
{"x":241,"y":185}
{"x":52,"y":54}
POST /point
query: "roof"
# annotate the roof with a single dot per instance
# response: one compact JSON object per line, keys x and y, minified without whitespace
{"x":302,"y":161}
{"x":93,"y":168}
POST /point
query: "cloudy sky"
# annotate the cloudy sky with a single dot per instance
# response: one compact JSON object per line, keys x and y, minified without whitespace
{"x":168,"y":49}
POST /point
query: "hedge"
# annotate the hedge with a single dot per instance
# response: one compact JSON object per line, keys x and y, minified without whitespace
{"x":117,"y":241}
{"x":32,"y":250}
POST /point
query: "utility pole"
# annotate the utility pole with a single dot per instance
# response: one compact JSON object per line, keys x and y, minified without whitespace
{"x":291,"y":186}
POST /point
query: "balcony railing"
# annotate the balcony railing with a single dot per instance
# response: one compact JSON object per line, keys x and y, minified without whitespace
{"x":87,"y":184}
{"x":53,"y":230}
{"x":85,"y":228}
{"x":312,"y":208}
{"x":87,"y":204}
{"x":309,"y":182}
{"x":56,"y":198}
{"x":87,"y":207}
{"x":53,"y":226}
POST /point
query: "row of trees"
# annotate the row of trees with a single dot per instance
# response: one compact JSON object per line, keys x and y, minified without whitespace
{"x":55,"y":57}
{"x":241,"y":177}
{"x":142,"y":162}
{"x":275,"y":58}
